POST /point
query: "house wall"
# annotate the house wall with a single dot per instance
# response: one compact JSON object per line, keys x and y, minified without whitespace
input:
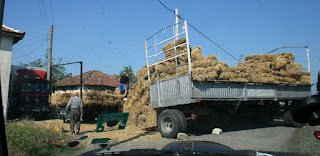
{"x":5,"y":67}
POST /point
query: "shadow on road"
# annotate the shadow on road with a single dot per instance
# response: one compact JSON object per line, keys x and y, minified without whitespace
{"x":108,"y":146}
{"x":206,"y":126}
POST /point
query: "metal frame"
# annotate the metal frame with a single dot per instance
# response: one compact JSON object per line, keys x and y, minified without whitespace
{"x":81,"y":64}
{"x":174,"y":38}
{"x":307,"y":48}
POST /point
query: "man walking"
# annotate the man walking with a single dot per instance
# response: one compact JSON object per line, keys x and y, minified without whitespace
{"x":75,"y":107}
{"x":124,"y":84}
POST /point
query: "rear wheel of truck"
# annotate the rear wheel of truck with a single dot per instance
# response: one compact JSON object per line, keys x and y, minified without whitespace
{"x":169,"y":123}
{"x":182,"y":118}
{"x":288,"y":121}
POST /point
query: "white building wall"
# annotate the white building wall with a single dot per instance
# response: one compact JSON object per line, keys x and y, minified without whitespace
{"x":5,"y":67}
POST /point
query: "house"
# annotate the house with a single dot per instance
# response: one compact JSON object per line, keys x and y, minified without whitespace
{"x":91,"y":80}
{"x":9,"y":37}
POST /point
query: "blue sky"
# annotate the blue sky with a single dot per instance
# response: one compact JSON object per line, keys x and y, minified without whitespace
{"x":109,"y":34}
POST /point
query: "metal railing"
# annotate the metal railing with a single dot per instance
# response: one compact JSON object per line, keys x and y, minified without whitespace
{"x":157,"y":52}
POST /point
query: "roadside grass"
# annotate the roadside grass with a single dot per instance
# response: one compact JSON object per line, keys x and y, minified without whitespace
{"x":24,"y":138}
{"x":304,"y":141}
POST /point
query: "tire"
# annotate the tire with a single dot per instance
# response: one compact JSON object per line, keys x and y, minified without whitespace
{"x":182,"y":118}
{"x":169,"y":124}
{"x":288,"y":121}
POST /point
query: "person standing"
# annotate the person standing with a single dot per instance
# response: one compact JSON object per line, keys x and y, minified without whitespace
{"x":124,"y":84}
{"x":75,"y":107}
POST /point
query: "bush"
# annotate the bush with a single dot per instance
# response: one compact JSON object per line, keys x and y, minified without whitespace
{"x":32,"y":140}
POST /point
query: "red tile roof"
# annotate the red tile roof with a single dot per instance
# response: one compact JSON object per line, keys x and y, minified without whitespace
{"x":8,"y":29}
{"x":92,"y":77}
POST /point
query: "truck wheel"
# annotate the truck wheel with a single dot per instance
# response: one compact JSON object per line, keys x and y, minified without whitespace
{"x":288,"y":121}
{"x":169,"y":124}
{"x":182,"y":118}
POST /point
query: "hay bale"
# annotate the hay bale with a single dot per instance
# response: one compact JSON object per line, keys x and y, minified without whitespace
{"x":259,"y":58}
{"x":173,"y":44}
{"x":264,"y":67}
{"x":198,"y":74}
{"x":241,"y":67}
{"x":212,"y":75}
{"x":261,"y":77}
{"x":225,"y":75}
{"x":60,"y":99}
{"x":204,"y":63}
{"x":281,"y":60}
{"x":305,"y":78}
{"x":243,"y":75}
{"x":142,"y":74}
{"x":164,"y":65}
{"x":196,"y":54}
{"x":211,"y":57}
{"x":290,"y":80}
{"x":239,"y":79}
{"x":306,"y":74}
{"x":294,"y":69}
{"x":183,"y":69}
{"x":221,"y":66}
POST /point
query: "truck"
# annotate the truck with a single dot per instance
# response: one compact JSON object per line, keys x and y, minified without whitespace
{"x":180,"y":98}
{"x":29,"y":91}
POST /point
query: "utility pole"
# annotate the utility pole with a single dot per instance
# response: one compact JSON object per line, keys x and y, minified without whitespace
{"x":50,"y":55}
{"x":81,"y":63}
{"x":177,"y":23}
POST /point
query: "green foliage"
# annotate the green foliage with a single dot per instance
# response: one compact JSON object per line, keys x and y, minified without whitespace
{"x":26,"y":138}
{"x":128,"y":70}
{"x":58,"y":72}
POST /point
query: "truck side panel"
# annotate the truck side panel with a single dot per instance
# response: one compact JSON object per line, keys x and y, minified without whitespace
{"x":173,"y":91}
{"x":182,"y":90}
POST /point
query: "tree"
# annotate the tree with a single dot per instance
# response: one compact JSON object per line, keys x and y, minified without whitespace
{"x":128,"y":70}
{"x":58,"y":72}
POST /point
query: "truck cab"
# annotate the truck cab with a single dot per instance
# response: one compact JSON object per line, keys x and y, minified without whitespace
{"x":29,"y":91}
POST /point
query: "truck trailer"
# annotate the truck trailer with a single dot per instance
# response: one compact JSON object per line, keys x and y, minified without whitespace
{"x":180,"y":98}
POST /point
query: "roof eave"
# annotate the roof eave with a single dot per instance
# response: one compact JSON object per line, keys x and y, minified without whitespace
{"x":16,"y":36}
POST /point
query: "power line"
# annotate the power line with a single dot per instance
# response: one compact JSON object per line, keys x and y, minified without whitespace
{"x":52,"y":12}
{"x":41,"y":15}
{"x":45,"y":12}
{"x":32,"y":50}
{"x":205,"y":36}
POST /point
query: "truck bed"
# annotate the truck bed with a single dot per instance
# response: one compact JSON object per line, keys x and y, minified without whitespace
{"x":183,"y":90}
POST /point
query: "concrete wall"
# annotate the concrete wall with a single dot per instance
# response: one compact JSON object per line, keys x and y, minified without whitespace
{"x":5,"y":67}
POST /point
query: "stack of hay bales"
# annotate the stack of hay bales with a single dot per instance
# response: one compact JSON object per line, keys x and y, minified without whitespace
{"x":95,"y":103}
{"x":138,"y":105}
{"x":265,"y":68}
{"x":88,"y":98}
{"x":268,"y":68}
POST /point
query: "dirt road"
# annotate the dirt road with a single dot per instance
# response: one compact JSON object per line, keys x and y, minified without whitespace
{"x":269,"y":137}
